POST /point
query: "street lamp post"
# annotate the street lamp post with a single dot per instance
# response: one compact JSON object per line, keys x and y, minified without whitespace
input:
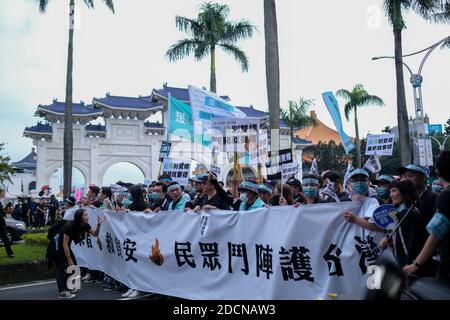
{"x":441,"y":145}
{"x":416,"y":80}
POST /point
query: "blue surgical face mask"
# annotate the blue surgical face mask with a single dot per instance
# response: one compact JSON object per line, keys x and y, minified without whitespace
{"x":153,"y":196}
{"x":244,"y":197}
{"x":360,"y":187}
{"x":127,"y":202}
{"x":437,"y":188}
{"x":401,"y":207}
{"x":383,"y":193}
{"x":310,"y":192}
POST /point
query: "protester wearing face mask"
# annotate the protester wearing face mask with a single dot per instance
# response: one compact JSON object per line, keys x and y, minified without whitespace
{"x":384,"y":189}
{"x":248,"y":199}
{"x":265,"y":192}
{"x":437,"y":186}
{"x":426,"y":198}
{"x":159,"y":198}
{"x":359,"y":187}
{"x":311,"y":185}
{"x":178,"y":201}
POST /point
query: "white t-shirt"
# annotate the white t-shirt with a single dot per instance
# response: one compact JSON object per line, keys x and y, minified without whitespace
{"x":369,"y":205}
{"x":70,"y":213}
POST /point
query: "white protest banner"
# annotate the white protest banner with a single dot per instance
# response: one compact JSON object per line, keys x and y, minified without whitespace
{"x":178,"y":170}
{"x":205,"y":107}
{"x":423,"y":154}
{"x":236,"y":133}
{"x":215,"y":169}
{"x":373,"y":164}
{"x":314,"y":168}
{"x":164,"y":151}
{"x":288,"y":170}
{"x":382,"y":144}
{"x":271,"y":253}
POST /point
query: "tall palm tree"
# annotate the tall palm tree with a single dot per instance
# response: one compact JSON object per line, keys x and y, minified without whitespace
{"x":68,"y":125}
{"x":272,"y":72}
{"x":356,"y":98}
{"x":208,"y":32}
{"x":296,"y":115}
{"x":431,"y":10}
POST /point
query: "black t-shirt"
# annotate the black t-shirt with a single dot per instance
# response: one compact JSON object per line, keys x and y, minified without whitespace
{"x":426,"y":204}
{"x":69,"y":230}
{"x":97,"y":203}
{"x":200,"y":201}
{"x":443,"y":207}
{"x":217,"y":201}
{"x":412,"y":235}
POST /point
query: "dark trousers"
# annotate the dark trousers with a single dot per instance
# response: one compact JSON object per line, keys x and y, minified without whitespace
{"x":4,"y":237}
{"x":61,"y":267}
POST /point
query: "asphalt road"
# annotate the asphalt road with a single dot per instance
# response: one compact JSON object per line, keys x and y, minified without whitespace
{"x":47,"y":290}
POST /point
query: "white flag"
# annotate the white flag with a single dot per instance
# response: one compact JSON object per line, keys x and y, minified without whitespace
{"x":314,"y":168}
{"x":347,"y":174}
{"x":373,"y":164}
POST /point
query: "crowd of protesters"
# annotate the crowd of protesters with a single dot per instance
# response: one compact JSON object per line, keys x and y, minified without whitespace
{"x":420,"y":243}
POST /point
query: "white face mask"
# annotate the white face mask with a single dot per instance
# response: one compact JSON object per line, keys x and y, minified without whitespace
{"x":244,"y":197}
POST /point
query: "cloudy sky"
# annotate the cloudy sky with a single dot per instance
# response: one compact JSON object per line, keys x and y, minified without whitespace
{"x":324,"y":45}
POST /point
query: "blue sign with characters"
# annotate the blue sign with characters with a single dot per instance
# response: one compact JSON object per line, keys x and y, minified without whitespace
{"x":435,"y":128}
{"x":385,"y":216}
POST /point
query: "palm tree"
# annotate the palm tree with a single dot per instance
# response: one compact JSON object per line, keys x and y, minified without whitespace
{"x":68,"y":124}
{"x":296,"y":115}
{"x":431,"y":10}
{"x":272,"y":72}
{"x":356,"y":98}
{"x":208,"y":32}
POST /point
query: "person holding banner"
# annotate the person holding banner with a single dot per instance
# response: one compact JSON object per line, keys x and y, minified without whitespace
{"x":199,"y":181}
{"x":178,"y":203}
{"x":411,"y":234}
{"x":438,"y":228}
{"x":75,"y":231}
{"x":159,"y":197}
{"x":426,"y":198}
{"x":137,"y":199}
{"x":93,"y":196}
{"x":311,"y":184}
{"x":106,"y":198}
{"x":248,"y":199}
{"x":265,"y":192}
{"x":359,"y":188}
{"x":296,"y":188}
{"x":384,"y":189}
{"x":212,"y":200}
{"x":285,"y":198}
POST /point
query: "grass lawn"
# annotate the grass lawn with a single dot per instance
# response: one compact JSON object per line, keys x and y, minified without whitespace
{"x":23,"y":253}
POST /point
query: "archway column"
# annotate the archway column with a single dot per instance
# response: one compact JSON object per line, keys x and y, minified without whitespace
{"x":94,"y":168}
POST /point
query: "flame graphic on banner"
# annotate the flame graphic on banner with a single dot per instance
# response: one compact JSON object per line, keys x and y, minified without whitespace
{"x":156,"y":257}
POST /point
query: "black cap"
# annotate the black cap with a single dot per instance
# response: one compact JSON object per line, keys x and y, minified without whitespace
{"x":71,"y":201}
{"x":294,"y":182}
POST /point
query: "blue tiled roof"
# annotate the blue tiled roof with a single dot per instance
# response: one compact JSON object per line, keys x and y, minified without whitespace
{"x":40,"y":127}
{"x":29,"y":162}
{"x":79,"y":109}
{"x":298,"y":140}
{"x":95,"y":127}
{"x":139,"y":103}
{"x":178,"y":93}
{"x":148,"y":124}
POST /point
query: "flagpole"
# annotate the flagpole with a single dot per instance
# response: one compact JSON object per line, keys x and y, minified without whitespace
{"x":167,"y":133}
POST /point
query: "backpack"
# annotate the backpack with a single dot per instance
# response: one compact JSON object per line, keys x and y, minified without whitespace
{"x":53,"y":235}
